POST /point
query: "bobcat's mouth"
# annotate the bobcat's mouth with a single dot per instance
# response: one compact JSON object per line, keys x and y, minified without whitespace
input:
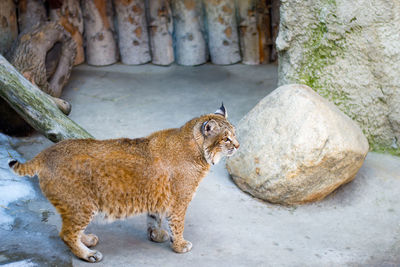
{"x":231,"y":152}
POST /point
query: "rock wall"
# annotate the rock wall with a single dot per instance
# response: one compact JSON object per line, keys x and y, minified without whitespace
{"x":349,"y":52}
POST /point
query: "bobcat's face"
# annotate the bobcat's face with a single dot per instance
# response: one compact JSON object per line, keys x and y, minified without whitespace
{"x":220,"y":139}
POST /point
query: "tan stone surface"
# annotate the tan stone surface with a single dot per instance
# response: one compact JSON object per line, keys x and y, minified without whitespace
{"x":296,"y":147}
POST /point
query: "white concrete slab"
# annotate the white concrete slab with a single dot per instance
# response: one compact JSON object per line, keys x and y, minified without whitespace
{"x":359,"y":224}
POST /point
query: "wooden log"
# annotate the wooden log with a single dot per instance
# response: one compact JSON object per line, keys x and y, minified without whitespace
{"x":69,"y":15}
{"x":264,"y":30}
{"x":190,"y":44}
{"x":248,"y":31}
{"x":275,"y":19}
{"x":62,"y":105}
{"x":30,"y":14}
{"x":44,"y":55}
{"x":101,"y":48}
{"x":161,"y":27}
{"x":223,"y":38}
{"x":132,"y":32}
{"x":29,"y":56}
{"x":8,"y":25}
{"x":35,"y":106}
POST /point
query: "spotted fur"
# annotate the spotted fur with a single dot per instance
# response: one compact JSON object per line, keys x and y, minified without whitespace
{"x":157,"y":175}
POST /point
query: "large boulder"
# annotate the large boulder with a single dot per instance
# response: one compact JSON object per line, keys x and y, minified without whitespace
{"x":296,"y":147}
{"x":349,"y":52}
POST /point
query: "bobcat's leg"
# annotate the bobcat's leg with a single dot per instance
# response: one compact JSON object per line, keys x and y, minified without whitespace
{"x":154,"y":229}
{"x":177,"y":223}
{"x":90,"y":240}
{"x":73,"y":226}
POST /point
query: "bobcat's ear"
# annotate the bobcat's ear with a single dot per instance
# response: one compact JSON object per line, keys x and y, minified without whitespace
{"x":209,"y":128}
{"x":222,"y":111}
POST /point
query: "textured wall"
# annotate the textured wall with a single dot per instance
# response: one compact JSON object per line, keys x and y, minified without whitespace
{"x":349,"y":52}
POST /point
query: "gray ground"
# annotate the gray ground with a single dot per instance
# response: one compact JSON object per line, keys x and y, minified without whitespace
{"x":359,"y":224}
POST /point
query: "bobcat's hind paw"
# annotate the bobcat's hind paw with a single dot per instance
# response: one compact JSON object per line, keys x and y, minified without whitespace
{"x":182,"y":247}
{"x":157,"y":235}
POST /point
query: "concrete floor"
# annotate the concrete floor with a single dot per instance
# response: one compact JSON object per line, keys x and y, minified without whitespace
{"x":359,"y":224}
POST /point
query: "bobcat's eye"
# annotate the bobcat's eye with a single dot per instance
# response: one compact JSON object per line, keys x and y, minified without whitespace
{"x":227,"y":139}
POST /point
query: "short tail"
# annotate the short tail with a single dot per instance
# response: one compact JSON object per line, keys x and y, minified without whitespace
{"x":29,"y":168}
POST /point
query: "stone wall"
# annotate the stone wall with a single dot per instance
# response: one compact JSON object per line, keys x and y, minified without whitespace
{"x":349,"y":52}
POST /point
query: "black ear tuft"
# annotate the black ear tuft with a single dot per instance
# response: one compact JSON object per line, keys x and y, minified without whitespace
{"x":222,"y":111}
{"x":12,"y":162}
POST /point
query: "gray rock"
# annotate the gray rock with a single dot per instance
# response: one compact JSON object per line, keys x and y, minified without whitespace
{"x":349,"y":52}
{"x":296,"y":147}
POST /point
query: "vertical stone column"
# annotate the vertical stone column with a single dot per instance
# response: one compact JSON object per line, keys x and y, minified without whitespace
{"x":249,"y":35}
{"x":69,"y":15}
{"x":264,"y":30}
{"x":132,"y":32}
{"x":30,"y":13}
{"x":161,"y":27}
{"x":190,"y":45}
{"x":223,"y":39}
{"x":101,"y":48}
{"x":8,"y":25}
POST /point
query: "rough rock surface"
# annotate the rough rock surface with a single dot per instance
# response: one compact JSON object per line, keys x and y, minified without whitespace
{"x":348,"y":51}
{"x":296,"y":147}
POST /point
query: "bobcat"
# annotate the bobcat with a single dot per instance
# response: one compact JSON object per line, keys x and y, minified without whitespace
{"x":158,"y":174}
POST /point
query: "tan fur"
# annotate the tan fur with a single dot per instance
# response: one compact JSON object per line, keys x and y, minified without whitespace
{"x":123,"y":177}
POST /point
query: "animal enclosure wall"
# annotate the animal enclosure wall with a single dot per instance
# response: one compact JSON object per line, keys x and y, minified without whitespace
{"x":133,"y":32}
{"x":188,"y":32}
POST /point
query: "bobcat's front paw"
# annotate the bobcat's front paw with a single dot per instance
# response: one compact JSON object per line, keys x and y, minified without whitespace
{"x":157,"y":235}
{"x":94,"y":256}
{"x":90,"y":240}
{"x":182,"y":247}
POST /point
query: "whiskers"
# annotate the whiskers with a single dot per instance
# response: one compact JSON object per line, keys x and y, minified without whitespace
{"x":231,"y":152}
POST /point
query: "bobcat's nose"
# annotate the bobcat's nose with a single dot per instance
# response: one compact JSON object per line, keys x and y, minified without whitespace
{"x":236,"y":144}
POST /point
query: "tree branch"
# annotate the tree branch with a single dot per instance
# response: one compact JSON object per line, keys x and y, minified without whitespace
{"x":35,"y":106}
